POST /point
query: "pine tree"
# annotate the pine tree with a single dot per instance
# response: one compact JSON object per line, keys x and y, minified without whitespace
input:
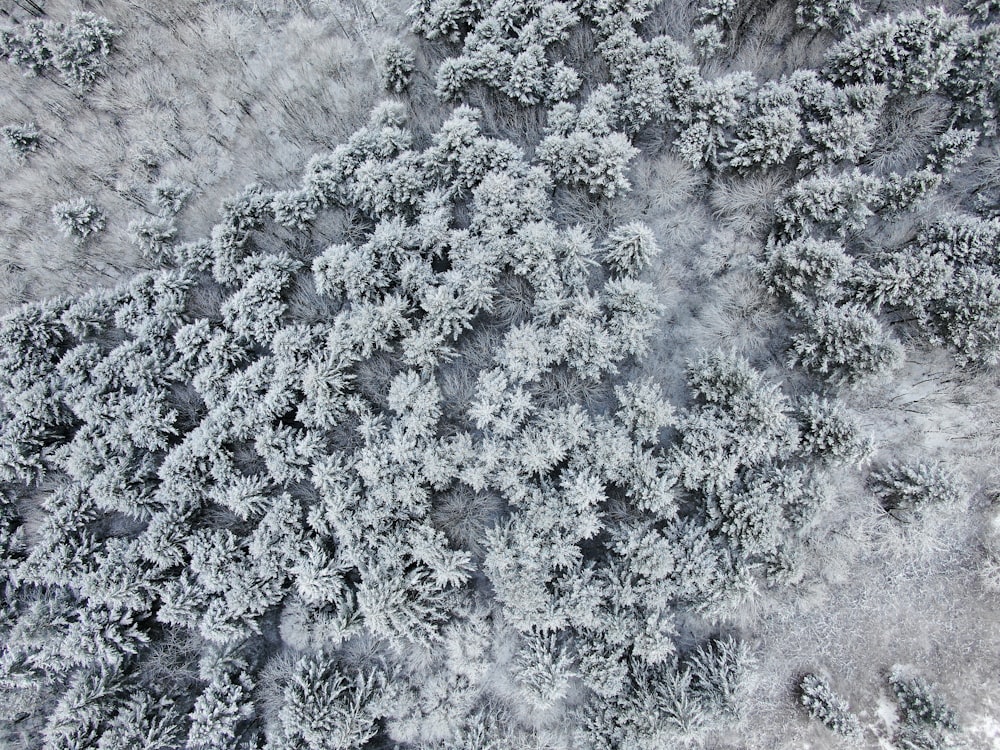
{"x":326,"y":709}
{"x":961,"y":239}
{"x":822,"y":703}
{"x":834,"y":15}
{"x":842,"y":203}
{"x":78,"y":219}
{"x":807,"y":268}
{"x":770,"y":128}
{"x":630,"y":248}
{"x":220,"y":712}
{"x":829,"y":431}
{"x":143,"y":722}
{"x":582,"y":147}
{"x":152,"y":235}
{"x":22,"y":138}
{"x":719,"y":670}
{"x":396,"y":65}
{"x":169,"y":196}
{"x":911,"y":53}
{"x":973,"y":79}
{"x":844,"y":344}
{"x":912,"y":279}
{"x":82,"y":711}
{"x":967,"y":317}
{"x":928,"y":723}
{"x":912,"y":486}
{"x":77,"y":49}
{"x":544,"y":671}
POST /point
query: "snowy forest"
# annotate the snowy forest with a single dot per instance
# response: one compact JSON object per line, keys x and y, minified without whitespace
{"x":515,"y":375}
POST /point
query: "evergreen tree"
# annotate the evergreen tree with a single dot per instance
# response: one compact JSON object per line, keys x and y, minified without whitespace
{"x":928,"y":723}
{"x":630,"y":248}
{"x":842,"y":203}
{"x":844,"y":344}
{"x":169,"y":196}
{"x":834,"y":15}
{"x":78,"y":219}
{"x":829,"y":431}
{"x":822,"y":703}
{"x":912,"y":279}
{"x":326,"y":709}
{"x":22,"y":138}
{"x":911,"y":53}
{"x":967,"y":316}
{"x":961,"y":239}
{"x":544,"y":671}
{"x":75,"y":50}
{"x":912,"y":486}
{"x":396,"y":66}
{"x":152,"y":235}
{"x":220,"y":712}
{"x":582,"y":147}
{"x":769,"y":131}
{"x":807,"y":268}
{"x":719,"y":670}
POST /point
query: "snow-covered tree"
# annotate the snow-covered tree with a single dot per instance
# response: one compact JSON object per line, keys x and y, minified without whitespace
{"x":544,"y":671}
{"x":221,"y":712}
{"x":152,"y":235}
{"x":326,"y":707}
{"x":396,"y":65}
{"x":841,"y":203}
{"x":912,"y":279}
{"x":822,"y":703}
{"x":807,"y":268}
{"x":967,"y":316}
{"x":21,"y":138}
{"x":912,"y":52}
{"x":582,"y":148}
{"x":844,"y":344}
{"x":76,"y":49}
{"x":834,"y":15}
{"x":79,"y":218}
{"x":827,"y":430}
{"x":769,"y":131}
{"x":928,"y":722}
{"x":914,"y":485}
{"x":630,"y":248}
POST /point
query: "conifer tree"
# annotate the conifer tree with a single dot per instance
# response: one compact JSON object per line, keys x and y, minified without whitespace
{"x":78,"y":219}
{"x":844,"y":344}
{"x":822,"y":703}
{"x":21,"y":138}
{"x":396,"y":66}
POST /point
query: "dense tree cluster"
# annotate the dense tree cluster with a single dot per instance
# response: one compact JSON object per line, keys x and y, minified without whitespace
{"x":75,"y":50}
{"x":368,"y":464}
